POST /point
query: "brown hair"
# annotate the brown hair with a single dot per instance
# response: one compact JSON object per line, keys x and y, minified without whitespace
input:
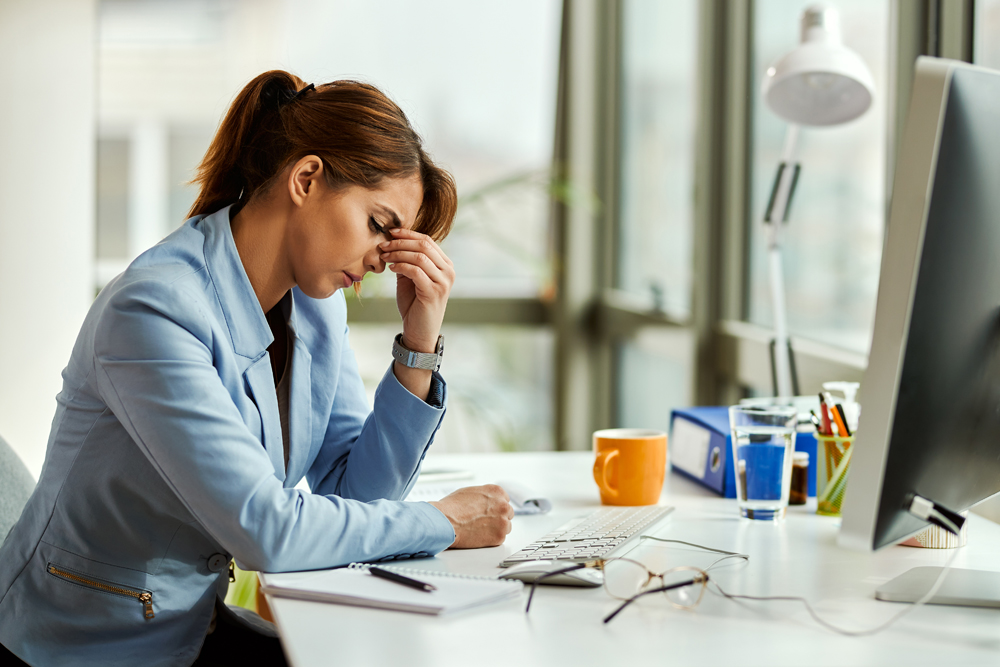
{"x":360,"y":135}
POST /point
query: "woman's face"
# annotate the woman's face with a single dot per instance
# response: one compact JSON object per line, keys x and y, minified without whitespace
{"x":333,"y":236}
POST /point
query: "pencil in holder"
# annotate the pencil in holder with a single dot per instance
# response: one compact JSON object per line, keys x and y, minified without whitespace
{"x":833,"y":460}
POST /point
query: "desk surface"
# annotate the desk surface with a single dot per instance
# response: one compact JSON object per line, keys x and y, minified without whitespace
{"x":798,"y":557}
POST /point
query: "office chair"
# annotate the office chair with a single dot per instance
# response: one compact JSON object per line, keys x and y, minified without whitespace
{"x":16,"y":484}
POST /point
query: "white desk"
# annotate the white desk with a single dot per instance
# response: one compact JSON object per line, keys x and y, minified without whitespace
{"x":798,"y":557}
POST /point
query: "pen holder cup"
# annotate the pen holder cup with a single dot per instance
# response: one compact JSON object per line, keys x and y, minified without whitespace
{"x":833,"y":460}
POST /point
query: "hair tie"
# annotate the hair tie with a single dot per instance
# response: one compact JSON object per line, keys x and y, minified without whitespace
{"x":302,"y":92}
{"x":285,"y":96}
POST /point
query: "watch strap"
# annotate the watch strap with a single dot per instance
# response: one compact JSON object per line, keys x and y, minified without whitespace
{"x":429,"y":361}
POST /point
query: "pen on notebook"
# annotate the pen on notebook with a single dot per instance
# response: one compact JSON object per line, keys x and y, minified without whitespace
{"x":400,"y":579}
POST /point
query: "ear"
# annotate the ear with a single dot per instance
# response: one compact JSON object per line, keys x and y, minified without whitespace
{"x":304,"y":179}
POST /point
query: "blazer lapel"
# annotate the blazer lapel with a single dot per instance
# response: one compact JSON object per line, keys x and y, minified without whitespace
{"x":299,"y":413}
{"x":260,"y":379}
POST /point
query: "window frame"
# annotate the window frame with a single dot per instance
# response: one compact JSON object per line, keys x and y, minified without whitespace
{"x":589,"y":316}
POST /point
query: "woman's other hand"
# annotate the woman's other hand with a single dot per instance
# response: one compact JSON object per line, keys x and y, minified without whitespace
{"x":480,"y":515}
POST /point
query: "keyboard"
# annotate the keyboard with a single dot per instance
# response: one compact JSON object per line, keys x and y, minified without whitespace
{"x":593,"y":536}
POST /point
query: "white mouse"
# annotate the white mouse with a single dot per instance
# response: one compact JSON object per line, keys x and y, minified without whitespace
{"x":528,"y":572}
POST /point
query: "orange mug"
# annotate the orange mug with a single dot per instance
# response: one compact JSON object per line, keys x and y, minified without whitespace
{"x":630,"y":465}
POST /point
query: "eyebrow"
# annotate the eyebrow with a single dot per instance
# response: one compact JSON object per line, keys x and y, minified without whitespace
{"x":394,"y":219}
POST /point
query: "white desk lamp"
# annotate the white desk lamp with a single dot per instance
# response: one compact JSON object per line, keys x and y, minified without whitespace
{"x":821,"y":82}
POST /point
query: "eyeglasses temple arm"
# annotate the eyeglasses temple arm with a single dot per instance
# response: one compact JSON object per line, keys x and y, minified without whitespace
{"x":578,"y":566}
{"x":690,"y":582}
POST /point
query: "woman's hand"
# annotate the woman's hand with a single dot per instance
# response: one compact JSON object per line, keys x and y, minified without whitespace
{"x":424,"y":276}
{"x":480,"y":515}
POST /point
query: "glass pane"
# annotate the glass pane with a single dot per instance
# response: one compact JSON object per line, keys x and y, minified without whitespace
{"x":832,"y":244}
{"x":499,"y":384}
{"x":187,"y":147}
{"x":112,"y":199}
{"x":654,"y":376}
{"x":477,"y":80}
{"x":986,"y":41}
{"x":657,"y":144}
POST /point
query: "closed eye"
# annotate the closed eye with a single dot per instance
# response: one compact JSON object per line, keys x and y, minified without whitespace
{"x":377,"y":228}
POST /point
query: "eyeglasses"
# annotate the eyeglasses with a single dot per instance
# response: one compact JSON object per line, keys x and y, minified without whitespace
{"x":628,"y":579}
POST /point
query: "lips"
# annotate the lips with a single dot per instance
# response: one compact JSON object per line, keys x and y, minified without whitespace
{"x":350,"y":278}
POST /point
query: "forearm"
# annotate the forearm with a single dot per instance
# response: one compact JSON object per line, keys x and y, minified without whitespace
{"x":416,"y":380}
{"x":379,"y":459}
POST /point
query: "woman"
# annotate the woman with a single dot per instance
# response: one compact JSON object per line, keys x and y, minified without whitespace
{"x":215,"y":373}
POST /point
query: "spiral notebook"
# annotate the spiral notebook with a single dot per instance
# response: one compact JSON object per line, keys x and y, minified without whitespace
{"x":353,"y":585}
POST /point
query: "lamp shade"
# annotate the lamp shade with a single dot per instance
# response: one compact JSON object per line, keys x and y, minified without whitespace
{"x":820,"y":82}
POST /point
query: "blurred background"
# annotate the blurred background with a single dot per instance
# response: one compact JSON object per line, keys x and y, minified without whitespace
{"x":613,"y":157}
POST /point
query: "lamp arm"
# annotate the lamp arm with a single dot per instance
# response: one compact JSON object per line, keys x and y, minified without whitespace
{"x":777,"y":213}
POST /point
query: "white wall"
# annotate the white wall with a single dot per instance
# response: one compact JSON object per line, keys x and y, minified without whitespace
{"x":47,"y":121}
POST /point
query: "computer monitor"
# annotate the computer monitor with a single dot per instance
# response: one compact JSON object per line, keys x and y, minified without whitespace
{"x":930,"y":424}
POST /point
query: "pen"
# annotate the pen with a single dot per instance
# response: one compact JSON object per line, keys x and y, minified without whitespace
{"x":400,"y":579}
{"x":827,"y":427}
{"x":838,"y":412}
{"x":816,"y":422}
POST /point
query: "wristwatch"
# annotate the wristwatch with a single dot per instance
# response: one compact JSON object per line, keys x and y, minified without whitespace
{"x":429,"y":361}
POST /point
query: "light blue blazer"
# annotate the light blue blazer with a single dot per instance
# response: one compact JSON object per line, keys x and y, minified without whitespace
{"x":166,"y":459}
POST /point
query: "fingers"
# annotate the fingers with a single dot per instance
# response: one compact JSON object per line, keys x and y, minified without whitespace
{"x":501,"y":512}
{"x":418,"y":259}
{"x":407,"y":240}
{"x":434,"y":274}
{"x":424,"y":284}
{"x":480,"y":515}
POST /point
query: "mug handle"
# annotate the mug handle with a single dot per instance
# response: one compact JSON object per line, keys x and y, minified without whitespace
{"x":601,"y":472}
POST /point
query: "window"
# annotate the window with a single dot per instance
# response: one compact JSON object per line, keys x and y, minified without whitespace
{"x":986,"y":43}
{"x":657,"y":133}
{"x":657,"y":128}
{"x":832,"y":244}
{"x":478,"y":82}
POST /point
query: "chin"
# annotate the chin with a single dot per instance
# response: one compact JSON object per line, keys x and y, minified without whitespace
{"x":319,"y":291}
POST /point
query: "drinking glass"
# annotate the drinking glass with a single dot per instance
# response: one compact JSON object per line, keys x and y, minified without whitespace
{"x":763,"y":446}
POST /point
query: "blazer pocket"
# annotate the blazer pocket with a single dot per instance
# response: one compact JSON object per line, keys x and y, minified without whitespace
{"x":144,"y":597}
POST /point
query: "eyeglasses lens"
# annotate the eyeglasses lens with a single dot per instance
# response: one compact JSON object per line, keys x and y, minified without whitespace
{"x":686,"y":597}
{"x":624,"y":578}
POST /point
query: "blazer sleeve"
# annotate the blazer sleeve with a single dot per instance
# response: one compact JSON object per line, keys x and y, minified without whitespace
{"x":374,"y":454}
{"x":154,"y":368}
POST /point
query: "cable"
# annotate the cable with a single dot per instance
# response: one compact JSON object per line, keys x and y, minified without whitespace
{"x":830,"y":626}
{"x":727,"y":556}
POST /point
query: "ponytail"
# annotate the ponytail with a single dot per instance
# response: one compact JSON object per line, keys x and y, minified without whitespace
{"x":360,"y":135}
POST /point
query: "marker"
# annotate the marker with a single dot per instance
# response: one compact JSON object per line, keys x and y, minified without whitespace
{"x":400,"y":579}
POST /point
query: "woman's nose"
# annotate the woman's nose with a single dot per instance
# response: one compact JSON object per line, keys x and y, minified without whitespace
{"x":375,"y":263}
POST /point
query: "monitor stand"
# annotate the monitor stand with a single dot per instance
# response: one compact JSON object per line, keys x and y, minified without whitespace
{"x":964,"y":588}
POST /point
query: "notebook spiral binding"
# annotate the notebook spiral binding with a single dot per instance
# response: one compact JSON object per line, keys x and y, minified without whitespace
{"x":409,"y":571}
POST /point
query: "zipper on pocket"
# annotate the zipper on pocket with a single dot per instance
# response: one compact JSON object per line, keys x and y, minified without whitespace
{"x":145,"y":597}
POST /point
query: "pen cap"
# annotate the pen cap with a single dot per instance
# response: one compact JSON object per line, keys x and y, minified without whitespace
{"x":849,"y":390}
